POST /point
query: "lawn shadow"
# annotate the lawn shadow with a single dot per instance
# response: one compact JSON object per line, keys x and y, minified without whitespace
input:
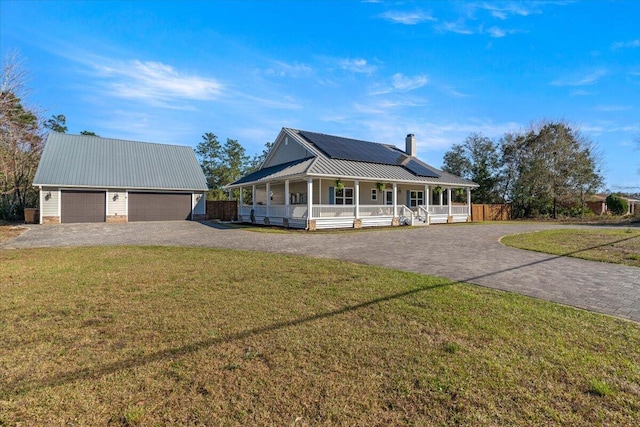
{"x":23,"y":386}
{"x":570,"y":254}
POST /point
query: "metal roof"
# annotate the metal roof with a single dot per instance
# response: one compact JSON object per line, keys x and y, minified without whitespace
{"x":282,"y":170}
{"x":378,"y":172}
{"x":339,"y":148}
{"x":323,"y":165}
{"x":90,"y":161}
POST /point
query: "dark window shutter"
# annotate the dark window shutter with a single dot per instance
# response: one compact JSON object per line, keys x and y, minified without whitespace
{"x":332,"y":195}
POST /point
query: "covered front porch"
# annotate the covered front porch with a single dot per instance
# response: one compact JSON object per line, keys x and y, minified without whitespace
{"x":323,"y":203}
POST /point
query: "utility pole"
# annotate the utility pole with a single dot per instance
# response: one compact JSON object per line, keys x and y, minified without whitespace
{"x":555,"y":173}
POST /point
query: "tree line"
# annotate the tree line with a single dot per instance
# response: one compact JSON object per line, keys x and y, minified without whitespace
{"x":225,"y":163}
{"x":546,"y":170}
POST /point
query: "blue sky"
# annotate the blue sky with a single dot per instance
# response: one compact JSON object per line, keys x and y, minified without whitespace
{"x":374,"y":70}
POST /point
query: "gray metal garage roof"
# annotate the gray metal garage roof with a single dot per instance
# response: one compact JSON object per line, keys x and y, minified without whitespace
{"x":90,"y":161}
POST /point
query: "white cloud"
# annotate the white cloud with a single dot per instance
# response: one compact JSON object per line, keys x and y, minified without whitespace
{"x":155,"y":82}
{"x":456,"y":27}
{"x":583,"y":80}
{"x":405,"y":83}
{"x":357,"y":65}
{"x":496,"y":32}
{"x":629,"y":44}
{"x":407,"y":18}
{"x":503,"y":10}
{"x":400,"y":83}
{"x":430,"y":136}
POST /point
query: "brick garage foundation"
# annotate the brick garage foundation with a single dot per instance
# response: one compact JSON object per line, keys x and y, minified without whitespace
{"x":117,"y":218}
{"x":51,"y":220}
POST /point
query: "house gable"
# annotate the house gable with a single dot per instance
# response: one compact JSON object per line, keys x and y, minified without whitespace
{"x":287,"y":149}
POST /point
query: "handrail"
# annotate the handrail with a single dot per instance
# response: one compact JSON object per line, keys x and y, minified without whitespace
{"x":424,"y":212}
{"x":404,"y":211}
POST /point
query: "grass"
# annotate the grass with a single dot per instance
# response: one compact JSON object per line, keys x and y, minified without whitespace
{"x":186,"y":336}
{"x":619,"y":246}
{"x":8,"y":232}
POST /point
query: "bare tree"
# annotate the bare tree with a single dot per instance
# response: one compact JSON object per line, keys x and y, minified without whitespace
{"x":21,"y":140}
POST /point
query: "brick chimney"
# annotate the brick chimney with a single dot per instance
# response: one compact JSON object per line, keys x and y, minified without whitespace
{"x":411,"y":147}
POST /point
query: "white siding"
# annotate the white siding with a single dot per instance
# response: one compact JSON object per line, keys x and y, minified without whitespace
{"x":199,"y":206}
{"x":50,"y":201}
{"x":287,"y":151}
{"x":118,"y":206}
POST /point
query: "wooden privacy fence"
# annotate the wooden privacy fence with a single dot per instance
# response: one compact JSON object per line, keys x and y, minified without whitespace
{"x":223,"y":210}
{"x":499,"y":212}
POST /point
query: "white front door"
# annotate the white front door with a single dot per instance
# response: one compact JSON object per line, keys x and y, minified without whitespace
{"x":388,"y":197}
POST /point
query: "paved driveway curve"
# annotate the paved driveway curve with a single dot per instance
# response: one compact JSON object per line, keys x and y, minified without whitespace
{"x":469,"y":253}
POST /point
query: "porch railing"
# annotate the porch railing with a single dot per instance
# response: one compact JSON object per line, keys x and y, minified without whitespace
{"x":295,"y":211}
{"x":376,"y":210}
{"x":459,"y":210}
{"x":328,"y":211}
{"x":444,"y":210}
{"x":278,"y":211}
{"x":439,"y":210}
{"x":298,"y":211}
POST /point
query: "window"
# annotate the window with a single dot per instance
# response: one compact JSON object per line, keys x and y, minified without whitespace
{"x":374,"y":194}
{"x":344,"y":196}
{"x":416,"y":198}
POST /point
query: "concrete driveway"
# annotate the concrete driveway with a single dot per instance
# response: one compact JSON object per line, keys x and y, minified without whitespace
{"x":468,"y":253}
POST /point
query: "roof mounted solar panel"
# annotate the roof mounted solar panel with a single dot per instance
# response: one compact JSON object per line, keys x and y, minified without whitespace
{"x":336,"y":147}
{"x":419,"y":169}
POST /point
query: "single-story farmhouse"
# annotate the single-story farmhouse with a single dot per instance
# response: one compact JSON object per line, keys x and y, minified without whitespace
{"x":313,"y":181}
{"x":91,"y":179}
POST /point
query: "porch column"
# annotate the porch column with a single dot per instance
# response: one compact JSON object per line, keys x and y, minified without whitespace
{"x":287,"y":198}
{"x":449,"y":201}
{"x":395,"y":200}
{"x":440,"y":196}
{"x":241,"y":197}
{"x":427,"y":197}
{"x":468,"y":202}
{"x":309,"y":198}
{"x":268,"y":189}
{"x":357,"y":198}
{"x":427,"y":202}
{"x":253,"y":197}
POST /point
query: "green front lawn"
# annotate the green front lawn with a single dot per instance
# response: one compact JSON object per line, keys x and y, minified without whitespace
{"x":620,"y":246}
{"x":193,"y":336}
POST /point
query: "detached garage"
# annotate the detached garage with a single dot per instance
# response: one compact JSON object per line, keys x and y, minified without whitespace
{"x":85,"y":178}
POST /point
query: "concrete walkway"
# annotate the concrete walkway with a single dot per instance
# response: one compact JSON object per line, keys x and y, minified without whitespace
{"x":469,"y":253}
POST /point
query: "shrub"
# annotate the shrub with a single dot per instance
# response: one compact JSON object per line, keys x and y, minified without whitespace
{"x":617,"y":205}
